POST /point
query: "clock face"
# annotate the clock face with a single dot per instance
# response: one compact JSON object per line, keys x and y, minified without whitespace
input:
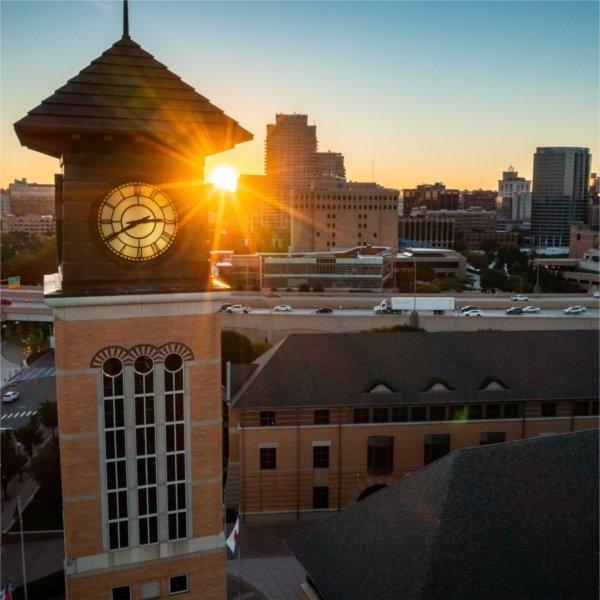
{"x":137,"y":221}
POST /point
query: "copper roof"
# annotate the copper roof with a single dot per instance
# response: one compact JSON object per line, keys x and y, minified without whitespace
{"x":126,"y":91}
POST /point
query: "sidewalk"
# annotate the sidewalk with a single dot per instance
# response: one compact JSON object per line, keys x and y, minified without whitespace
{"x":11,"y":360}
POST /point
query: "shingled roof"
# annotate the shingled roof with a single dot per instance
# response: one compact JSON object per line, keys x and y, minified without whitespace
{"x":514,"y":520}
{"x":127,"y":91}
{"x":340,"y":369}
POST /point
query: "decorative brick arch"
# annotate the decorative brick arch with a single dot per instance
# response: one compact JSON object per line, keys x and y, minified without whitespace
{"x":110,"y":352}
{"x":144,"y":350}
{"x":175,"y":348}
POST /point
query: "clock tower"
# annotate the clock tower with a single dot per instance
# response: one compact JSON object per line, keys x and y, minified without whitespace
{"x":136,"y":327}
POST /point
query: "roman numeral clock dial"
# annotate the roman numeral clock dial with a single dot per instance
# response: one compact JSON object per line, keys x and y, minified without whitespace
{"x":137,"y":221}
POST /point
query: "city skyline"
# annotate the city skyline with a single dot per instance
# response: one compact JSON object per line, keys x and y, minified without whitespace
{"x":434,"y":75}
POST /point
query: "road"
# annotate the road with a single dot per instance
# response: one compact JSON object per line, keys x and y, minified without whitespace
{"x":34,"y":384}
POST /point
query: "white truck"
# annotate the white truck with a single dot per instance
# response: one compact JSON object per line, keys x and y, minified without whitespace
{"x":399,"y":305}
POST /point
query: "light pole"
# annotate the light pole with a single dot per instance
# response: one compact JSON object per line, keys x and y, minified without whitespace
{"x":536,"y":289}
{"x":415,"y":316}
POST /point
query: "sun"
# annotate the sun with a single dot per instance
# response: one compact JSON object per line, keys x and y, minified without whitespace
{"x":224,"y":177}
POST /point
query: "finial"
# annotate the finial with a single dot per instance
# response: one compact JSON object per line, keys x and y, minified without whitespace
{"x":125,"y":20}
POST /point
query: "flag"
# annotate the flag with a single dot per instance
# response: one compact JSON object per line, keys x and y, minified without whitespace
{"x":6,"y":593}
{"x":234,"y":536}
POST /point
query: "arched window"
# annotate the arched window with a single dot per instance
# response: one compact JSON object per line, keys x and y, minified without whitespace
{"x":115,"y":454}
{"x":145,"y":440}
{"x":175,"y":446}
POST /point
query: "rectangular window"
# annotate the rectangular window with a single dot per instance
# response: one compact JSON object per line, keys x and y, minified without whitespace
{"x":321,"y":417}
{"x":267,"y":418}
{"x":320,"y":457}
{"x":418,"y":413}
{"x":121,"y":593}
{"x":458,"y":413}
{"x":436,"y":446}
{"x":381,"y":415}
{"x":361,"y":415}
{"x":380,"y":455}
{"x":321,"y":497}
{"x":268,"y":459}
{"x":178,"y":584}
{"x":175,"y":448}
{"x":582,"y":408}
{"x":492,"y":437}
{"x":475,"y":412}
{"x":437,"y":413}
{"x":595,"y":407}
{"x":493,"y":411}
{"x":512,"y":410}
{"x":115,"y":455}
{"x":548,"y":409}
{"x":400,"y":413}
{"x":150,"y":590}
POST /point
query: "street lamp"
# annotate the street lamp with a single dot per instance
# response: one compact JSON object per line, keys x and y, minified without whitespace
{"x":411,"y":255}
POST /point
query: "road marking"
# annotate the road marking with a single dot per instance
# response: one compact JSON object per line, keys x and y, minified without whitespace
{"x":3,"y":417}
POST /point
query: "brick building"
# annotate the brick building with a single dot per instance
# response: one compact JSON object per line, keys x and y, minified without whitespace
{"x":482,"y":199}
{"x":30,"y":198}
{"x":582,"y":239}
{"x":373,"y":407}
{"x":465,"y":220}
{"x":35,"y":224}
{"x":431,"y":196}
{"x":474,"y":239}
{"x":436,"y":233}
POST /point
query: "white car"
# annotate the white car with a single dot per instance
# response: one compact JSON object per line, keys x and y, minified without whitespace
{"x":10,"y":397}
{"x":239,"y":308}
{"x":519,"y":298}
{"x":472,"y":313}
{"x":574,"y":310}
{"x":596,"y":294}
{"x":531,"y":309}
{"x":282,"y":308}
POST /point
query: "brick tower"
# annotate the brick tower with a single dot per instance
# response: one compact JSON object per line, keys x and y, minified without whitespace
{"x":137,"y":334}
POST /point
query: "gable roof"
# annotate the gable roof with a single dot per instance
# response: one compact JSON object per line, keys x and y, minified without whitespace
{"x":127,"y":91}
{"x":336,"y":369}
{"x":514,"y":520}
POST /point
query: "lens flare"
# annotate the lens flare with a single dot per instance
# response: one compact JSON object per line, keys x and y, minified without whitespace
{"x":224,"y":177}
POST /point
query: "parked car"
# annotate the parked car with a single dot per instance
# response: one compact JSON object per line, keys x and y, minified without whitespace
{"x":531,"y":309}
{"x":472,"y":313}
{"x":239,"y":308}
{"x":272,"y":295}
{"x":226,"y":306}
{"x":6,"y":301}
{"x":323,"y":310}
{"x":515,"y":310}
{"x":10,"y":396}
{"x":282,"y":308}
{"x":574,"y":310}
{"x":519,"y":298}
{"x":468,"y":307}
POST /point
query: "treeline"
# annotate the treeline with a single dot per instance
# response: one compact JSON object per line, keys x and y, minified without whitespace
{"x":28,"y":256}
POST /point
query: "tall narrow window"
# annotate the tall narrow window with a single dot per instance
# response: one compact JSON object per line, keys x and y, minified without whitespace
{"x":145,"y":436}
{"x":115,"y":454}
{"x":175,"y":432}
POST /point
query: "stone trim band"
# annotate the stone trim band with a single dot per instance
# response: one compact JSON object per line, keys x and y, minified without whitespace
{"x":127,"y":357}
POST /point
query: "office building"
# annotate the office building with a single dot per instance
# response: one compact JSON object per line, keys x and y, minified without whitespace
{"x":582,"y":239}
{"x":376,"y":406}
{"x":481,"y":199}
{"x":34,"y":224}
{"x":502,"y":509}
{"x":31,"y":198}
{"x":431,"y":196}
{"x":443,"y":262}
{"x":4,"y":202}
{"x":262,"y":203}
{"x":559,"y":194}
{"x":475,"y":240}
{"x":421,"y":232}
{"x":513,"y":201}
{"x":328,"y":215}
{"x":137,"y":336}
{"x":465,"y":220}
{"x":330,"y":166}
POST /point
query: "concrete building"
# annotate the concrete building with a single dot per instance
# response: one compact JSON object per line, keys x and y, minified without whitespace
{"x":4,"y":202}
{"x":34,"y":224}
{"x":329,"y":215}
{"x":582,"y":239}
{"x":444,"y":262}
{"x":513,"y":202}
{"x":374,"y":407}
{"x":31,"y":198}
{"x":474,"y":240}
{"x":330,"y":166}
{"x":361,"y":269}
{"x":465,"y":220}
{"x":560,"y":193}
{"x":420,"y":231}
{"x":481,"y":199}
{"x":431,"y":196}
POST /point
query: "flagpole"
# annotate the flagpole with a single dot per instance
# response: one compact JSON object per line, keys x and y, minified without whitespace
{"x":22,"y":547}
{"x":240,"y":558}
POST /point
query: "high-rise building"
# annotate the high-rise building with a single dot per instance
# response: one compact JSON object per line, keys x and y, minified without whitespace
{"x":137,"y":336}
{"x":330,"y":166}
{"x":560,"y":193}
{"x":431,"y":196}
{"x":514,"y":196}
{"x":330,"y":215}
{"x":31,"y":198}
{"x":419,"y":231}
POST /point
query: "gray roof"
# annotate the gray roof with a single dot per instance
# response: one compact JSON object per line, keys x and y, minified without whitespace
{"x":340,"y":369}
{"x":514,"y":520}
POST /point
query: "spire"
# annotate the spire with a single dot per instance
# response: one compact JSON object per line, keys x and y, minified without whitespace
{"x":125,"y":20}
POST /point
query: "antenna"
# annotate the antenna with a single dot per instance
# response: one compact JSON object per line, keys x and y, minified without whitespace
{"x":373,"y":170}
{"x":125,"y":19}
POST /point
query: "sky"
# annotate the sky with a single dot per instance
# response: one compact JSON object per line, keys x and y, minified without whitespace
{"x":415,"y":91}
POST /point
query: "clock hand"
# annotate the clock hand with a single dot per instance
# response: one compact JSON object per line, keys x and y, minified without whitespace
{"x":130,"y":225}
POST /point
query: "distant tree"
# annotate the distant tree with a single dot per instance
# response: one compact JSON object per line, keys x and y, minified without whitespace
{"x":318,"y":288}
{"x":13,"y":243}
{"x":29,"y":435}
{"x":48,"y":415}
{"x":32,"y":264}
{"x":490,"y":247}
{"x":45,"y":470}
{"x":425,"y":272}
{"x":235,"y":348}
{"x":11,"y":460}
{"x":492,"y":280}
{"x":303,"y":287}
